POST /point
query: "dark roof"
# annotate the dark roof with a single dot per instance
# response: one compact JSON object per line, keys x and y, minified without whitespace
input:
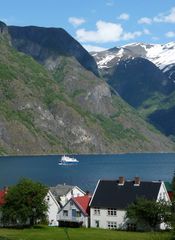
{"x":110,"y":195}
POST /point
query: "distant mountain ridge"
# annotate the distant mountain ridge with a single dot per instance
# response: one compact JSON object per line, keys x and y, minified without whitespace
{"x":46,"y":45}
{"x":52,"y":103}
{"x":144,"y":75}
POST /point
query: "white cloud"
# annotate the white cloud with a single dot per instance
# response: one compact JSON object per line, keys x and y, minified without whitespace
{"x":109,"y":3}
{"x":146,"y":31}
{"x":145,"y":20}
{"x":106,"y":32}
{"x":76,"y":21}
{"x":124,"y":16}
{"x":166,"y":17}
{"x":131,"y":35}
{"x":92,"y":48}
{"x":170,"y":34}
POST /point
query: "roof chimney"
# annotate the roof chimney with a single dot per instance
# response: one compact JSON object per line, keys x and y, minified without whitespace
{"x":137,"y":181}
{"x":121,"y":181}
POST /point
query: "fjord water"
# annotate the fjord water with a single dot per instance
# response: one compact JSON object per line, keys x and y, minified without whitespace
{"x":91,"y":168}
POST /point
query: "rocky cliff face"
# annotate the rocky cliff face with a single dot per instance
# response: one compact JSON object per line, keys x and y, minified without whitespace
{"x":46,"y":45}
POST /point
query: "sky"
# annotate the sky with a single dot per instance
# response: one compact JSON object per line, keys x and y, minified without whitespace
{"x":97,"y":24}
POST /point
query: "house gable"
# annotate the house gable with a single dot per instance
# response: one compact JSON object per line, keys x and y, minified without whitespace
{"x":73,"y":214}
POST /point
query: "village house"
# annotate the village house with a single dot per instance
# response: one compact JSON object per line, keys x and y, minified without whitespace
{"x":57,"y":197}
{"x":112,"y":197}
{"x":75,"y":212}
{"x":3,"y":192}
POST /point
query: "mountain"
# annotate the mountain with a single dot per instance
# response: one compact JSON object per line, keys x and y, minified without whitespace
{"x":143,"y":75}
{"x":65,"y":109}
{"x":46,"y":45}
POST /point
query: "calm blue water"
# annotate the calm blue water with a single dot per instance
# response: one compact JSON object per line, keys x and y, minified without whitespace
{"x":89,"y":170}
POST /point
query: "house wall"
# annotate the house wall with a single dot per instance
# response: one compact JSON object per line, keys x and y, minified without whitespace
{"x":76,"y":192}
{"x":53,"y":208}
{"x":104,"y":218}
{"x":69,"y":207}
{"x":163,"y":194}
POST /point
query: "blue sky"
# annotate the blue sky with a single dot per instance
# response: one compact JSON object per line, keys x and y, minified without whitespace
{"x":97,"y":24}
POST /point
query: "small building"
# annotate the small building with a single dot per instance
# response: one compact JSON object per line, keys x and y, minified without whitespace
{"x":112,"y":197}
{"x":57,"y":197}
{"x":3,"y":192}
{"x":75,"y":213}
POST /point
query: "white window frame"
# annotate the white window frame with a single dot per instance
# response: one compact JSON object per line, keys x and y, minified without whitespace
{"x":65,"y":213}
{"x":112,"y":212}
{"x":112,"y":225}
{"x":96,"y":211}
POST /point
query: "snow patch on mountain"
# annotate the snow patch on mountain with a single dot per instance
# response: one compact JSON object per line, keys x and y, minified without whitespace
{"x":103,"y":63}
{"x":162,"y":55}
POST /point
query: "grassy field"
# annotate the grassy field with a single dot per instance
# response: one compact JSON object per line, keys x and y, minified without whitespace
{"x":54,"y":233}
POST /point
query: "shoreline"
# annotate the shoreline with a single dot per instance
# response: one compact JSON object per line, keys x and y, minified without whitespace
{"x":76,"y":154}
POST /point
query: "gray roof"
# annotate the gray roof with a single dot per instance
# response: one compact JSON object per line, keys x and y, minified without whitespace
{"x":60,"y":190}
{"x":111,"y":195}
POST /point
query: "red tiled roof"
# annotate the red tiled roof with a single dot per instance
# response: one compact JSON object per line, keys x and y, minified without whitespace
{"x":2,"y":195}
{"x":83,"y":203}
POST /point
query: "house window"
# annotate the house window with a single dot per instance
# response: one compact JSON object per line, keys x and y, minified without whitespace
{"x":96,"y":211}
{"x":97,"y":223}
{"x":65,"y":213}
{"x":112,"y":225}
{"x":48,"y":198}
{"x":112,"y":212}
{"x":78,"y":214}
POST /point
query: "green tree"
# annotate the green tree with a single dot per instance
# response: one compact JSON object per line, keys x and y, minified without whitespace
{"x":24,"y":203}
{"x":149,"y":213}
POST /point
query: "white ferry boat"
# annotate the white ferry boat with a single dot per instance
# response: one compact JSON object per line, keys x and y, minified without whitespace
{"x":66,"y":160}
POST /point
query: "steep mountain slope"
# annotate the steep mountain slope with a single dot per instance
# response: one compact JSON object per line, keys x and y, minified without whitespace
{"x":144,"y":75}
{"x":65,"y":110}
{"x":46,"y":45}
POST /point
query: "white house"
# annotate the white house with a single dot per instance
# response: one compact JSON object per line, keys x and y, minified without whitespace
{"x":57,"y":197}
{"x":63,"y":192}
{"x":111,"y":198}
{"x":75,"y":212}
{"x":53,"y":208}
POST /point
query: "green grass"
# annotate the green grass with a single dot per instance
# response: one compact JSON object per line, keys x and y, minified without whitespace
{"x":54,"y":233}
